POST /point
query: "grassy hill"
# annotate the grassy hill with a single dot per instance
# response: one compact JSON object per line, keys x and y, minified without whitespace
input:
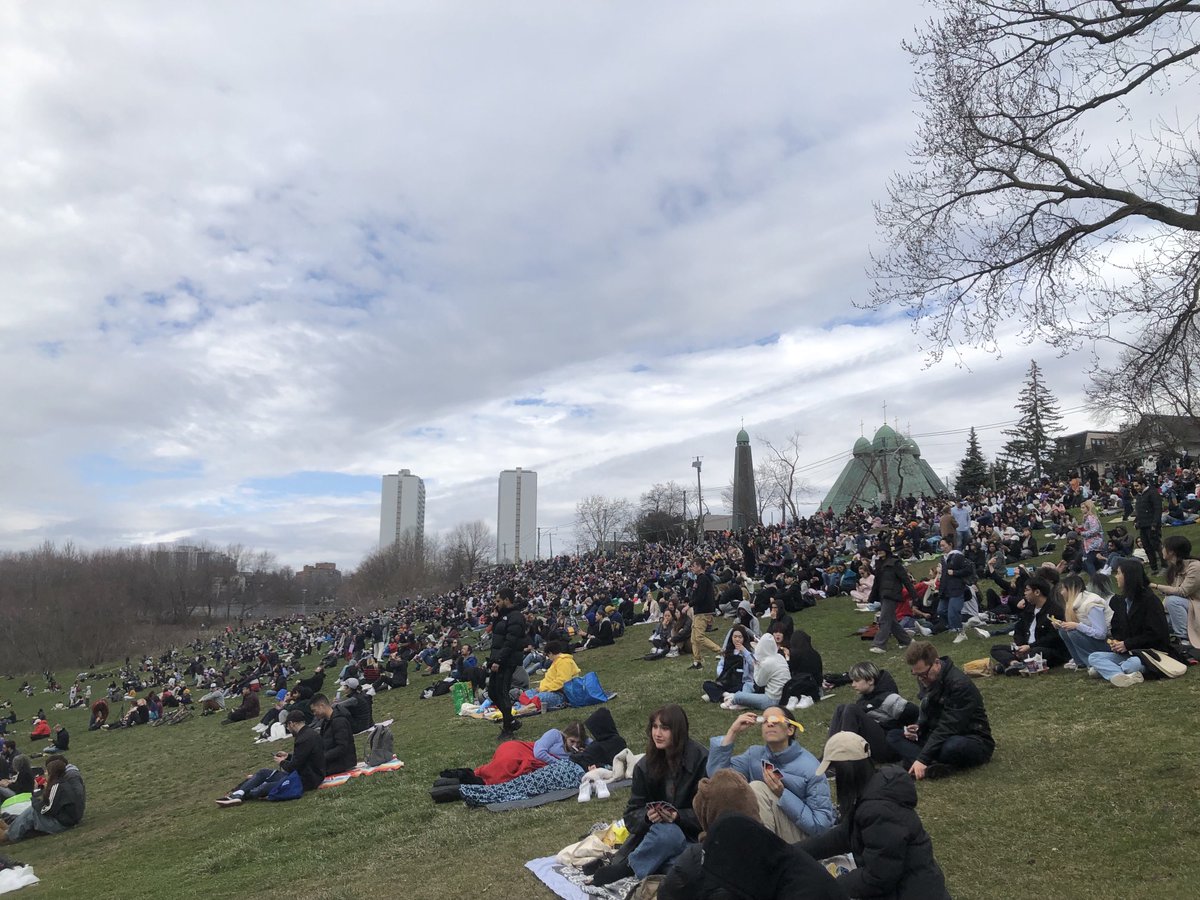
{"x":1092,"y":792}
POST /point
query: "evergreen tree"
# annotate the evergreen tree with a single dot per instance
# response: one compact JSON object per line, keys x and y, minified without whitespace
{"x":973,"y":473}
{"x":1030,"y":447}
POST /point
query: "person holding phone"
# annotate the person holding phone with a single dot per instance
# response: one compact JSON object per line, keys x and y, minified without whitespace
{"x":794,"y":801}
{"x":659,"y":816}
{"x":307,"y":758}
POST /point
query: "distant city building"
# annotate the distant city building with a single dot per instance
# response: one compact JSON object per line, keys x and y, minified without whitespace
{"x":403,"y":508}
{"x":190,"y":558}
{"x":745,"y":501}
{"x":516,"y":516}
{"x":320,"y":580}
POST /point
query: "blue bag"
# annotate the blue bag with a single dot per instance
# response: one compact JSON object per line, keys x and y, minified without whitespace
{"x":585,"y":690}
{"x":291,"y":788}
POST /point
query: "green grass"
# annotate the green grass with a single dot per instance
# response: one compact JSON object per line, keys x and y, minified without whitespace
{"x":1092,"y":792}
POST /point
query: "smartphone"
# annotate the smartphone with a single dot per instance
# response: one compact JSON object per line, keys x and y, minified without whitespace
{"x":768,"y":767}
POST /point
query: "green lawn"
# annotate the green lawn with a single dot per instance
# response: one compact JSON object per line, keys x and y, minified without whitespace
{"x":1092,"y":792}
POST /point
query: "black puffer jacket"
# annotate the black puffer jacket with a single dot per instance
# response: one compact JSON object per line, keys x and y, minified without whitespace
{"x":508,"y":639}
{"x":890,"y":845}
{"x":951,"y":706}
{"x":679,"y":791}
{"x":1147,"y":508}
{"x":891,"y":578}
{"x":337,"y":739}
{"x":308,"y":758}
{"x":606,"y":741}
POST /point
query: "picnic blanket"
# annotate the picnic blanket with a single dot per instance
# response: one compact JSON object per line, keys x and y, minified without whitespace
{"x":332,"y":781}
{"x":489,"y":713}
{"x":568,"y":882}
{"x":549,"y":797}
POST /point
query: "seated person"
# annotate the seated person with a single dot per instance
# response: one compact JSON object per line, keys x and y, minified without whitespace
{"x":735,"y":666}
{"x":600,"y":633}
{"x":659,"y":816}
{"x":307,"y":758}
{"x":793,"y":801}
{"x":248,"y":709}
{"x":878,"y":710}
{"x":20,"y":779}
{"x":213,"y":701}
{"x":771,"y":673}
{"x":878,"y":822}
{"x":806,"y":673}
{"x":41,"y":729}
{"x":681,"y":633}
{"x":138,"y":714}
{"x":1084,"y":626}
{"x":62,"y":741}
{"x":660,"y":639}
{"x":1035,"y":632}
{"x":1181,"y":593}
{"x":562,"y":669}
{"x":395,"y":673}
{"x":952,"y":731}
{"x":337,"y":737}
{"x":59,"y":807}
{"x":358,"y":706}
{"x":1139,"y":622}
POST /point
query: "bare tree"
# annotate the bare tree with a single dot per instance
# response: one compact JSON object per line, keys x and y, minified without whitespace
{"x":598,"y":518}
{"x":1026,"y":202}
{"x":781,"y":481}
{"x":469,"y":546}
{"x":665,"y":498}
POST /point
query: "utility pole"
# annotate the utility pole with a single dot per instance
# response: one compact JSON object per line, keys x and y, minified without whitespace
{"x":699,"y":501}
{"x":539,"y":543}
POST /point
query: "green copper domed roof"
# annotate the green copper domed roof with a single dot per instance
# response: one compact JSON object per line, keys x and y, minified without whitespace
{"x":885,"y":439}
{"x":862,"y":447}
{"x":742,"y":437}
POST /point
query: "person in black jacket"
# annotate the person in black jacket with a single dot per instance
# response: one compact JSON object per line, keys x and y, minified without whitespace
{"x":508,"y":642}
{"x":1147,"y":518}
{"x":337,"y":736}
{"x":704,"y":604}
{"x":307,"y":758}
{"x":879,"y":825}
{"x":953,"y":730}
{"x":357,"y":705}
{"x":659,"y":816}
{"x":878,"y":710}
{"x":60,"y":806}
{"x":891,"y":580}
{"x":1139,"y":622}
{"x":1035,"y":632}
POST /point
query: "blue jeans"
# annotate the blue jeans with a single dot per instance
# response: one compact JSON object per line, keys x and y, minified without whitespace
{"x":1082,"y":646}
{"x":755,"y":701}
{"x":551,"y":700}
{"x":1177,"y":610}
{"x":950,"y":611}
{"x":662,"y":843}
{"x":1109,"y":664}
{"x":532,"y":662}
{"x":260,"y":783}
{"x":964,"y":535}
{"x":33,"y":820}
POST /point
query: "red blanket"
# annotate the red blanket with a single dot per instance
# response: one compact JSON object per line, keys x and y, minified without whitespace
{"x":512,"y":758}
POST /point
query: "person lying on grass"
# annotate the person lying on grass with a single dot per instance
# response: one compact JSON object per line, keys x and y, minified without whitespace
{"x":307,"y":759}
{"x":59,"y":806}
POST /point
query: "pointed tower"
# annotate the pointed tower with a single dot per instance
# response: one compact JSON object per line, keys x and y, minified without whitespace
{"x":745,"y":503}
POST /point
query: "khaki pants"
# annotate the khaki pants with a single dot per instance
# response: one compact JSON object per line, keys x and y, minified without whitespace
{"x":772,"y":816}
{"x":700,"y":640}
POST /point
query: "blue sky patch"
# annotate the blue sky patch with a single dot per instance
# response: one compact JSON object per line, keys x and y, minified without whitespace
{"x":108,"y":471}
{"x":314,"y":484}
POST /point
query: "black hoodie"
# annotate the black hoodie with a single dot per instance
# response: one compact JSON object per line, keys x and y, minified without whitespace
{"x":890,"y":845}
{"x":606,"y":741}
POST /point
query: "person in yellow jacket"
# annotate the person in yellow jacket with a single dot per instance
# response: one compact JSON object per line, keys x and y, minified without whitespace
{"x":562,"y":669}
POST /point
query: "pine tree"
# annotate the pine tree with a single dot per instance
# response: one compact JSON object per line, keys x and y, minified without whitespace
{"x":973,"y":473}
{"x":1030,"y":447}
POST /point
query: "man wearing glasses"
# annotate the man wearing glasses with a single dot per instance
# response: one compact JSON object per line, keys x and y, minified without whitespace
{"x":952,"y":731}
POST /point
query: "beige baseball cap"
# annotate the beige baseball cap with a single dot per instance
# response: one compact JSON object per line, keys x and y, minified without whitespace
{"x":845,"y":746}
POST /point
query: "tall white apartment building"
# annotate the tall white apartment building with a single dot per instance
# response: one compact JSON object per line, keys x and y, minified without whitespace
{"x":403,"y":508}
{"x":516,"y":516}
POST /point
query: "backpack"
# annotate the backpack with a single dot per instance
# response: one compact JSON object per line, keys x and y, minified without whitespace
{"x":291,"y":788}
{"x":379,"y":746}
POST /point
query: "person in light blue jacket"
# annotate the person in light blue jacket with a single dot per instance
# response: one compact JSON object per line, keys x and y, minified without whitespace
{"x":555,"y":745}
{"x":793,"y":800}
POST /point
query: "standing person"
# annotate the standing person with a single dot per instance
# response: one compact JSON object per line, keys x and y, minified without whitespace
{"x":1181,"y":596}
{"x":508,"y":642}
{"x":891,"y":581}
{"x":879,"y":825}
{"x":1092,"y":533}
{"x":952,"y":588}
{"x":1147,"y":518}
{"x":952,"y":731}
{"x":961,"y":513}
{"x":703,"y":604}
{"x":1139,"y":622}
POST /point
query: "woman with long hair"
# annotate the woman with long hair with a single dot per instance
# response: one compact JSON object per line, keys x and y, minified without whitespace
{"x":1084,"y":627}
{"x":1139,"y":622}
{"x":659,"y":816}
{"x":878,"y":823}
{"x":735,"y":666}
{"x":1181,"y":594}
{"x":59,"y":807}
{"x":1092,"y":534}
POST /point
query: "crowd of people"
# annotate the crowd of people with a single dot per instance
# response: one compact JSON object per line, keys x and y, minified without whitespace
{"x":1093,"y":608}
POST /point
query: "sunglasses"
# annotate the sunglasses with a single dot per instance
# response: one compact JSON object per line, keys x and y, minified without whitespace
{"x":780,"y":720}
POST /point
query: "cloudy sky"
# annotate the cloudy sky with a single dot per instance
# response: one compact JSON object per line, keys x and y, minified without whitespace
{"x":253,"y":256}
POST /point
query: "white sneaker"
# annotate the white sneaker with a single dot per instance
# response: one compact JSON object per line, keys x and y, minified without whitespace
{"x":1123,"y":680}
{"x":962,"y":636}
{"x":704,"y":698}
{"x":585,"y":792}
{"x":602,"y":790}
{"x":805,"y":702}
{"x":974,"y":620}
{"x":792,"y":703}
{"x":925,"y":631}
{"x":673,"y":654}
{"x":875,"y":649}
{"x":1070,"y":665}
{"x":1092,"y":673}
{"x":983,"y":633}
